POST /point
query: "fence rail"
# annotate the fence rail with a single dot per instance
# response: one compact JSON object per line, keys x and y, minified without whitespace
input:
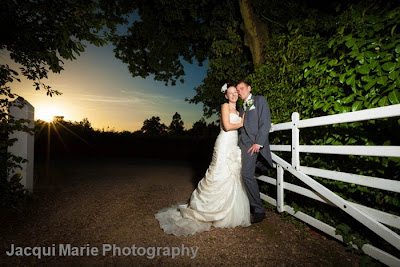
{"x":376,"y":220}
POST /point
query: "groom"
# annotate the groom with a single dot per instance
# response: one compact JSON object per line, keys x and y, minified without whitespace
{"x":253,"y":141}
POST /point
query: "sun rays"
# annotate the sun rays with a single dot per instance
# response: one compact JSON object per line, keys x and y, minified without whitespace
{"x":59,"y":128}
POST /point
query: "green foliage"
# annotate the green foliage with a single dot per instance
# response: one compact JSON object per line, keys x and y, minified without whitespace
{"x":360,"y":69}
{"x":367,"y":261}
{"x":319,"y":74}
{"x":163,"y":34}
{"x":227,"y":62}
{"x":349,"y":236}
{"x":279,"y":77}
{"x":168,"y":32}
{"x":39,"y":35}
{"x":349,"y":64}
{"x":12,"y":193}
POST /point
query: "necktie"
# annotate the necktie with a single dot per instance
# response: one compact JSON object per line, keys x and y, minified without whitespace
{"x":246,"y":105}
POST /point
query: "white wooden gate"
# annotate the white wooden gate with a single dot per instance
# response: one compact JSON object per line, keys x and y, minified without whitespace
{"x":375,"y":220}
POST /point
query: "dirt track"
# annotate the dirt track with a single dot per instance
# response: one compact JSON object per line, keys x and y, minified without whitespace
{"x":112,"y":201}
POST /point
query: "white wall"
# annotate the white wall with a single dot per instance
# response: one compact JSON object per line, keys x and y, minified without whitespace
{"x":24,"y":147}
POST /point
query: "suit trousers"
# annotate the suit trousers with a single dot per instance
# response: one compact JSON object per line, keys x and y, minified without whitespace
{"x":248,"y":170}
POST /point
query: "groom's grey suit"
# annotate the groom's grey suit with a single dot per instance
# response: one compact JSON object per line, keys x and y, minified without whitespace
{"x":257,"y":123}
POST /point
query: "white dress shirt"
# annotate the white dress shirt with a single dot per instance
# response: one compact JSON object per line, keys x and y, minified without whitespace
{"x":250,"y":95}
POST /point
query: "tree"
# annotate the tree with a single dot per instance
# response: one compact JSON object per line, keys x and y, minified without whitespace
{"x":153,"y":126}
{"x":40,"y":35}
{"x":168,"y":32}
{"x":335,"y":63}
{"x":232,"y":35}
{"x":176,"y":126}
{"x":255,"y":31}
{"x":199,"y":128}
{"x":85,"y":124}
{"x":347,"y":63}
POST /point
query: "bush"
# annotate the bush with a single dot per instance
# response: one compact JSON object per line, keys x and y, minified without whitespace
{"x":349,"y":64}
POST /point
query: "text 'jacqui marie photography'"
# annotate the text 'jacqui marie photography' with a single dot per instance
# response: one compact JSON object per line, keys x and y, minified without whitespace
{"x":104,"y":250}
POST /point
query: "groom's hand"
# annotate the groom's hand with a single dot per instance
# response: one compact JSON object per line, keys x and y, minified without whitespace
{"x":254,"y":149}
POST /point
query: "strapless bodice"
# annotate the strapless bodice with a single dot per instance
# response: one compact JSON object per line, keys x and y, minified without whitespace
{"x":234,"y":118}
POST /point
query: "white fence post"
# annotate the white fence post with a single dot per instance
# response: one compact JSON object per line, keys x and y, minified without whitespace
{"x":24,"y":146}
{"x":280,"y":204}
{"x":295,"y":141}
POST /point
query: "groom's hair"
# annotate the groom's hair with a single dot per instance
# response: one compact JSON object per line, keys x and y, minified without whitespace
{"x":229,"y":84}
{"x":242,"y":81}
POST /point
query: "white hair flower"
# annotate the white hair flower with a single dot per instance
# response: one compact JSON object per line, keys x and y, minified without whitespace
{"x":224,"y":87}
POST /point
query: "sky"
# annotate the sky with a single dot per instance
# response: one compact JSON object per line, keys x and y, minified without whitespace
{"x":99,"y":87}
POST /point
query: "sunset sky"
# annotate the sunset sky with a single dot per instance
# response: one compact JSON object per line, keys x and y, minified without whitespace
{"x":99,"y":87}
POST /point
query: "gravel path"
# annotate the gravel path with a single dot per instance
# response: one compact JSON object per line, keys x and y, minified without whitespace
{"x":98,"y":202}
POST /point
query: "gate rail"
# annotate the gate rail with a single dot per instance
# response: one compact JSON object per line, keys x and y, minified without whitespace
{"x":375,"y":220}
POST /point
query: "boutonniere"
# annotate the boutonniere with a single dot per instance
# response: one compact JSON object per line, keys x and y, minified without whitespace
{"x":248,"y":105}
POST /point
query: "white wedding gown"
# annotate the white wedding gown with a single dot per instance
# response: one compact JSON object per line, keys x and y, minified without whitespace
{"x":220,"y":199}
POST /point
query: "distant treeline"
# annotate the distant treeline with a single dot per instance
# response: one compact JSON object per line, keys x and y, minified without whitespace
{"x":61,"y":138}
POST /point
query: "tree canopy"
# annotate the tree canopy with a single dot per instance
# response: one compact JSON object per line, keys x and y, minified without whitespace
{"x":153,"y":126}
{"x":176,"y":126}
{"x":40,"y":35}
{"x":232,"y":35}
{"x":168,"y":32}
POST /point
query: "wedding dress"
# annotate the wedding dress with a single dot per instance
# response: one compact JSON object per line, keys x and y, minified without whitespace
{"x":220,"y":199}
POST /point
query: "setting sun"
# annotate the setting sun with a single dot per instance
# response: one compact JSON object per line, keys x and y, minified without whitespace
{"x":46,"y":113}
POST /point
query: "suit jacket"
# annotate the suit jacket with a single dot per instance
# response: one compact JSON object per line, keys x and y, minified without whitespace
{"x":257,"y":123}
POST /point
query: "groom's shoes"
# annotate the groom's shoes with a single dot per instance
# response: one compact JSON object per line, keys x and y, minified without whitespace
{"x":252,"y":211}
{"x":258,"y":217}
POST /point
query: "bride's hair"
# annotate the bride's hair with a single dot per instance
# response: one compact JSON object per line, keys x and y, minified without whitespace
{"x":229,"y":84}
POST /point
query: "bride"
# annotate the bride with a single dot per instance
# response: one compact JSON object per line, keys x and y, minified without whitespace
{"x":220,"y":199}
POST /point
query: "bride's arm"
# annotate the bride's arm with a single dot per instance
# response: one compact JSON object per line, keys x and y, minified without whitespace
{"x":225,"y":117}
